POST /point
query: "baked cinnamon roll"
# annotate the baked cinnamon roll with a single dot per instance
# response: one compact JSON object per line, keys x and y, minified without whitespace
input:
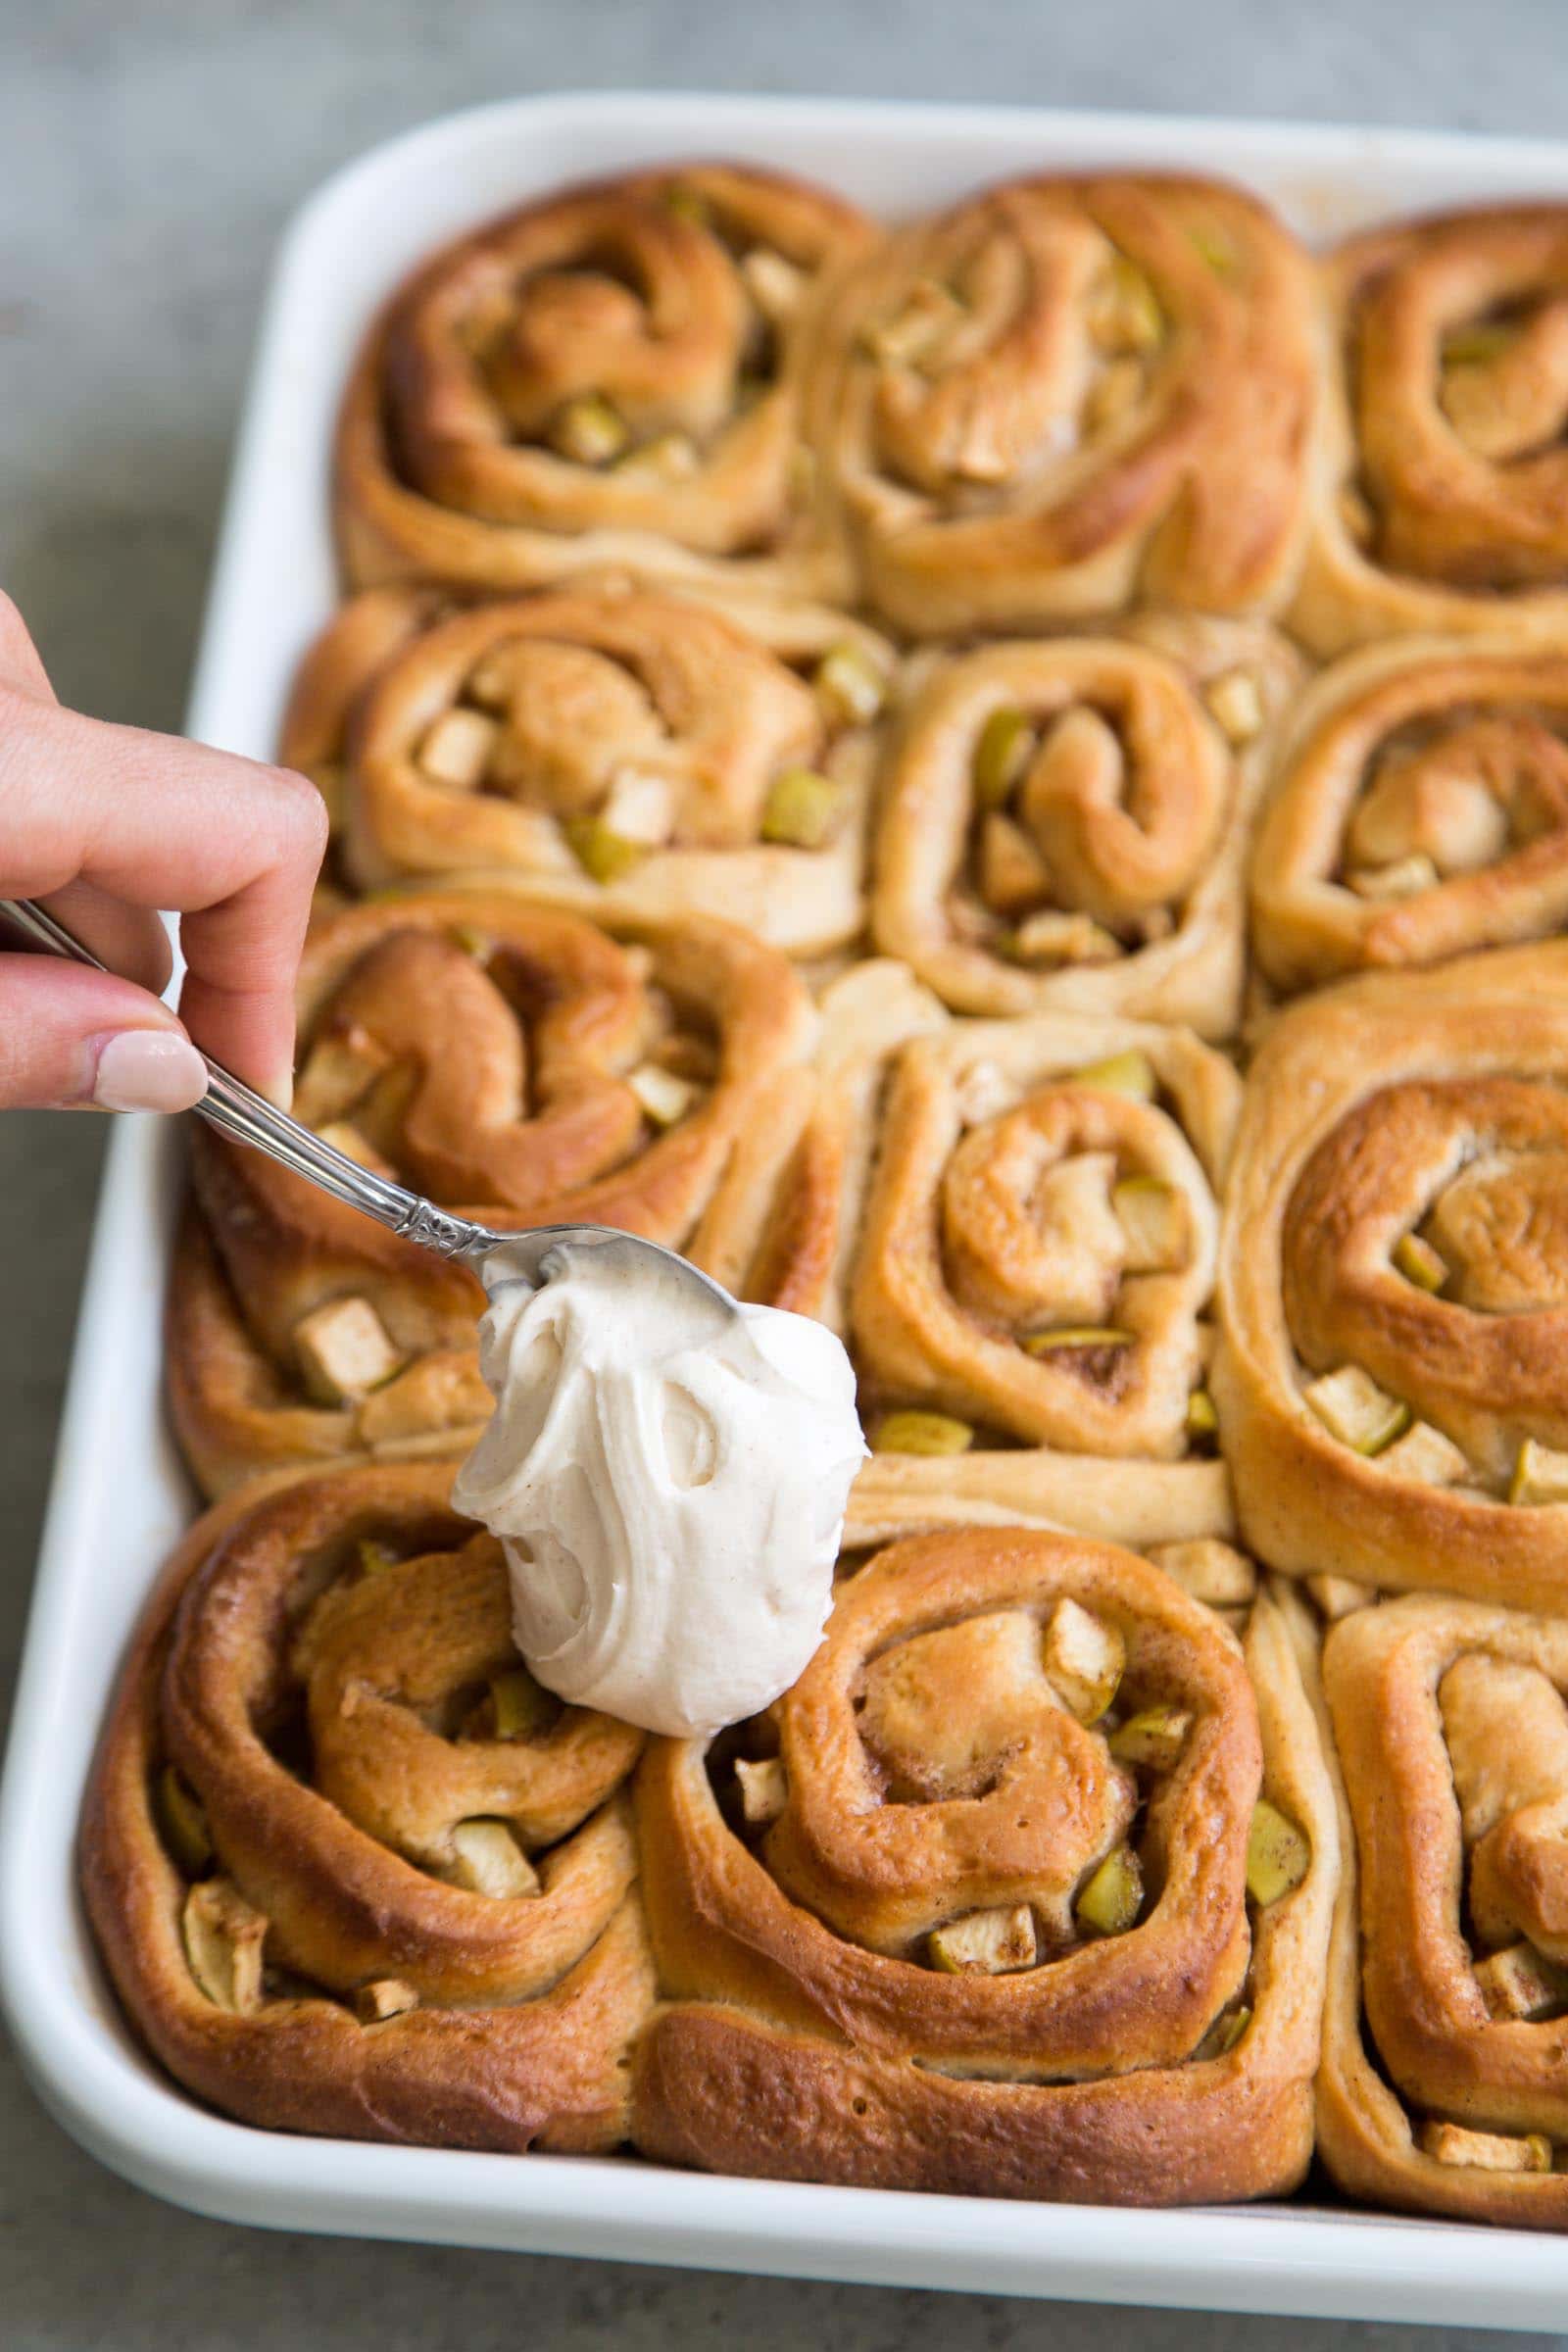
{"x":635,"y":750}
{"x":970,"y":1909}
{"x":513,"y":1063}
{"x":1421,"y":811}
{"x":1065,"y":395}
{"x":1444,"y":501}
{"x":1065,"y":822}
{"x":611,"y":373}
{"x":1394,"y":1284}
{"x":1442,"y":2086}
{"x":351,"y":1870}
{"x":1030,"y":1275}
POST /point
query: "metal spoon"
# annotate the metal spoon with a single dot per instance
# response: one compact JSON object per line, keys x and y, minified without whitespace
{"x":230,"y":1105}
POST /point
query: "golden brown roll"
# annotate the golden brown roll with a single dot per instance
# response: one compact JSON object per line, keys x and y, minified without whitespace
{"x":1065,"y":821}
{"x":1028,"y":1230}
{"x":1421,"y":811}
{"x":610,"y":374}
{"x":516,"y":1064}
{"x":1445,"y":501}
{"x":969,"y":1909}
{"x":1442,"y":2086}
{"x":1394,"y":1282}
{"x":351,"y":1870}
{"x":1064,"y":395}
{"x":635,"y":750}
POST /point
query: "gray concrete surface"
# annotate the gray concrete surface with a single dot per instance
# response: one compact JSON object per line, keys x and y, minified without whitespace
{"x":149,"y":153}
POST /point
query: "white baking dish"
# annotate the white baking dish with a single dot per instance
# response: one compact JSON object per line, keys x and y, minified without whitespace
{"x":119,"y":1498}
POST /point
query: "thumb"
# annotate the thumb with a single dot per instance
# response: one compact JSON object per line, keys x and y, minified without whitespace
{"x":69,"y":1035}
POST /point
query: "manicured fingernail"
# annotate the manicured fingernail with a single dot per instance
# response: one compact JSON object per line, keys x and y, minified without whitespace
{"x":149,"y":1069}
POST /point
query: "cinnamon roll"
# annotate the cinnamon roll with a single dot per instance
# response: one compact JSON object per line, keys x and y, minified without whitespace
{"x":1445,"y":501}
{"x":611,"y":373}
{"x":635,"y":750}
{"x":1065,"y":822}
{"x":1443,"y":2088}
{"x":970,"y":1909}
{"x":351,"y":1870}
{"x":1390,"y":1383}
{"x":1421,"y":811}
{"x":516,"y":1064}
{"x":1030,"y":1276}
{"x":1065,"y":395}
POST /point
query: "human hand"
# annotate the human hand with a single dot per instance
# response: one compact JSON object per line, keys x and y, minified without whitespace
{"x":107,"y":824}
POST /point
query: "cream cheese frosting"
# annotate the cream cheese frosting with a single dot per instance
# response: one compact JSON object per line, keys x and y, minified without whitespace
{"x":668,"y":1475}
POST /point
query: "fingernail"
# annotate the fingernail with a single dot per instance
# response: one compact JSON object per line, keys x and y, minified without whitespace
{"x":149,"y":1069}
{"x":280,"y":1091}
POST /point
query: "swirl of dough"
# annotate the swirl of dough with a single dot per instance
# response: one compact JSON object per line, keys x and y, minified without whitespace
{"x":634,"y":750}
{"x":1068,"y":394}
{"x":1064,"y":822}
{"x":1442,"y":2088}
{"x":351,"y":1871}
{"x":1421,"y":811}
{"x":970,"y":1930}
{"x":610,"y":374}
{"x":517,"y":1065}
{"x":1445,"y":505}
{"x":1393,"y":1289}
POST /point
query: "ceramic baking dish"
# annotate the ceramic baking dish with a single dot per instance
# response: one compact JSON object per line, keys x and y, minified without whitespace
{"x":119,"y":1496}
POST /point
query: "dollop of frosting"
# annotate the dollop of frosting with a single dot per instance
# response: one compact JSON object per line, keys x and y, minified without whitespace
{"x":667,"y":1476}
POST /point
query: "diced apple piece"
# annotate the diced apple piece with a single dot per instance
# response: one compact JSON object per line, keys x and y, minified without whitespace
{"x":601,"y":853}
{"x":665,"y":1098}
{"x":1109,"y":1902}
{"x":1153,"y":1217}
{"x":1235,"y":700}
{"x":387,"y":1998}
{"x":344,"y":1350}
{"x":588,"y":431}
{"x":224,"y":1938}
{"x":1540,"y":1474}
{"x":1404,"y":879}
{"x":1485,"y":2152}
{"x":774,"y":284}
{"x":851,"y":686}
{"x":1054,"y":936}
{"x":1426,"y":1457}
{"x":669,"y":457}
{"x":1338,"y":1597}
{"x":764,"y":1788}
{"x":916,"y":332}
{"x":1278,"y":1855}
{"x":1153,"y":1737}
{"x":640,"y":806}
{"x":1355,"y":1409}
{"x":1419,"y":1262}
{"x":375,"y":1556}
{"x":1201,"y":1419}
{"x":1521,"y":1982}
{"x":1124,"y":312}
{"x":1212,"y":1572}
{"x":340,"y":1067}
{"x":801,"y":808}
{"x":920,"y":1433}
{"x":1130,"y":1073}
{"x":985,"y":1944}
{"x":488,"y":1860}
{"x":521,"y":1708}
{"x":1002,"y":752}
{"x":457,"y":749}
{"x":1084,"y":1658}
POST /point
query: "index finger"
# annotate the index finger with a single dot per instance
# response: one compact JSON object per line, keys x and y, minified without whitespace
{"x":234,"y":846}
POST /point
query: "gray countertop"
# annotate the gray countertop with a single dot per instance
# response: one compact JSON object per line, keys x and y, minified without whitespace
{"x":152,"y":154}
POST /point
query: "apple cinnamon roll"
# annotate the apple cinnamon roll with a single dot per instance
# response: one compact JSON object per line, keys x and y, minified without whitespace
{"x":1441,"y":2088}
{"x":1065,"y":822}
{"x":634,"y":750}
{"x":1444,"y":501}
{"x":1063,"y":396}
{"x":610,"y":374}
{"x":513,"y":1063}
{"x":1022,"y":1891}
{"x":351,"y":1870}
{"x":1391,"y":1286}
{"x":1421,"y":811}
